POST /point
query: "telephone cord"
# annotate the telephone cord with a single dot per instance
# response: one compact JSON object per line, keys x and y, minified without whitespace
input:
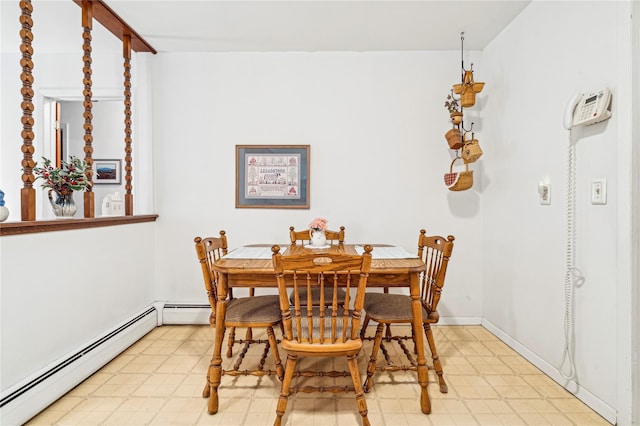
{"x":572,"y":273}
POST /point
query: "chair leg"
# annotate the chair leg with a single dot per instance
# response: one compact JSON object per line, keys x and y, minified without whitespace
{"x":371,"y":368}
{"x":365,"y":323}
{"x":249,"y":335}
{"x":437,"y":365}
{"x":413,"y":338}
{"x":388,"y":335}
{"x":232,"y":340}
{"x":360,"y":401}
{"x":284,"y":389}
{"x":206,"y":392}
{"x":273,"y":344}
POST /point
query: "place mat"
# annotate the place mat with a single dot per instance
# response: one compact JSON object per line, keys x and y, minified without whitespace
{"x":250,"y":253}
{"x":388,"y":253}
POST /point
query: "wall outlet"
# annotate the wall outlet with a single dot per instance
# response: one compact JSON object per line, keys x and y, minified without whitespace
{"x":599,"y":191}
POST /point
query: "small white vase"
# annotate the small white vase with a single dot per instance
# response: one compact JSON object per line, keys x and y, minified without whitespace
{"x":4,"y":213}
{"x":318,"y":239}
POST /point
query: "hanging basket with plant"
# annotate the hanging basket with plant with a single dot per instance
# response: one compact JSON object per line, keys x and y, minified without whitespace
{"x":452,"y":105}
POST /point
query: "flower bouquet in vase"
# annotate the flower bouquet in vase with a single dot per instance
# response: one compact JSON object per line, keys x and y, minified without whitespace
{"x":63,"y":180}
{"x":317,"y":227}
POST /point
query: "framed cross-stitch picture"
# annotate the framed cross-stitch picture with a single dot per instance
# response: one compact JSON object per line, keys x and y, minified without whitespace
{"x":272,"y":176}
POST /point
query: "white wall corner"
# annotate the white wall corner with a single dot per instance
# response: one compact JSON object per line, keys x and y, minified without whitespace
{"x":595,"y":403}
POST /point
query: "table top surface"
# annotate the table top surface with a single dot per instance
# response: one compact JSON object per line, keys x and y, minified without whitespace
{"x":256,"y":259}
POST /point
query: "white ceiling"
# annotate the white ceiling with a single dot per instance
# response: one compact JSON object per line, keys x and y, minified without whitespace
{"x":316,"y":25}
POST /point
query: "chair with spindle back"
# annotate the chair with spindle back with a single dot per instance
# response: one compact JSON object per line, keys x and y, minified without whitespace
{"x":329,"y":329}
{"x":387,"y":309}
{"x":304,"y":238}
{"x":249,"y":312}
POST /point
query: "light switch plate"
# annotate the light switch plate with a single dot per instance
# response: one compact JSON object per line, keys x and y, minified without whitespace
{"x":599,"y":191}
{"x":544,"y":191}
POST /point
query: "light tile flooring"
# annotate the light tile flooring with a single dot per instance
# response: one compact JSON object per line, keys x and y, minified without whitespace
{"x":159,"y":380}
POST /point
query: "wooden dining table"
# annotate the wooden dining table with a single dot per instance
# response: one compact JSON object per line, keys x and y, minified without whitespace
{"x":251,"y":266}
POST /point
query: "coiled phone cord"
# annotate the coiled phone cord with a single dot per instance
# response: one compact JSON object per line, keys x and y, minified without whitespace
{"x":572,"y":274}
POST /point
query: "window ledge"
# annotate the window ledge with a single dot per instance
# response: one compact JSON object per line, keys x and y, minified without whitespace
{"x":31,"y":227}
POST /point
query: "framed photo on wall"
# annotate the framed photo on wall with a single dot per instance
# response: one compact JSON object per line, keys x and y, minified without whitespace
{"x":107,"y":171}
{"x":272,"y":176}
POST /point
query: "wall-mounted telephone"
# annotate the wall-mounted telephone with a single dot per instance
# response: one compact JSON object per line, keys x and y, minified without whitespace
{"x":582,"y":110}
{"x":588,"y":108}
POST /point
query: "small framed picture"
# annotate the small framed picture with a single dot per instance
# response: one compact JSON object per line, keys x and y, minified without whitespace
{"x":107,"y":171}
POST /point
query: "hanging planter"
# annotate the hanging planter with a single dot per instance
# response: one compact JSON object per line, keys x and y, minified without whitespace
{"x":452,"y":105}
{"x":471,"y":150}
{"x":468,"y":98}
{"x":458,"y":181}
{"x":454,"y":138}
{"x":468,"y":89}
{"x":456,"y":117}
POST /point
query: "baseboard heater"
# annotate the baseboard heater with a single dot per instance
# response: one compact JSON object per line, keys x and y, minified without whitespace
{"x":37,"y":392}
{"x":185,"y":313}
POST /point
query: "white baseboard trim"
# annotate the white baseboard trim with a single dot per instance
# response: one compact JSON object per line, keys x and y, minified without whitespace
{"x":193,"y":313}
{"x":459,"y":321}
{"x":26,"y":399}
{"x":595,"y":403}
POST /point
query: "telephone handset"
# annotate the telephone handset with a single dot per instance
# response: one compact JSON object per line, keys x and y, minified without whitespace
{"x":588,"y":108}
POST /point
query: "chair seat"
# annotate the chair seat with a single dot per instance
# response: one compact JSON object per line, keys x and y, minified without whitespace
{"x":256,"y":309}
{"x":383,"y":307}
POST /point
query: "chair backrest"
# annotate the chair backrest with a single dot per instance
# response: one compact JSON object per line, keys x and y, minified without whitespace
{"x":304,"y":237}
{"x":435,"y":251}
{"x":327,"y":323}
{"x":209,"y":250}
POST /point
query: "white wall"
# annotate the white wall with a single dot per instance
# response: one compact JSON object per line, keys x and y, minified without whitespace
{"x":61,"y":290}
{"x":375,"y":123}
{"x":531,"y":80}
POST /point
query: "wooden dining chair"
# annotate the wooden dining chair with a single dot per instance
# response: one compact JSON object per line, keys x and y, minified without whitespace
{"x":385,"y":308}
{"x":250,"y":312}
{"x":328,"y":329}
{"x":304,"y":238}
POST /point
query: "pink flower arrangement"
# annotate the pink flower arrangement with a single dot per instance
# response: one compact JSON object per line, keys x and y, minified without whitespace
{"x":319,"y":224}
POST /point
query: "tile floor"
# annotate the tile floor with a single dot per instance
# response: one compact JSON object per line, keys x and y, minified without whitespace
{"x":159,"y":380}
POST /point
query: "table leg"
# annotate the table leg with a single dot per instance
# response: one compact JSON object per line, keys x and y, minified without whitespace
{"x":215,"y":367}
{"x":423,"y":371}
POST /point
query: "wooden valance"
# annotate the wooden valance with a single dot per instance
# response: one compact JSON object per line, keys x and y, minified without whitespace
{"x":118,"y":27}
